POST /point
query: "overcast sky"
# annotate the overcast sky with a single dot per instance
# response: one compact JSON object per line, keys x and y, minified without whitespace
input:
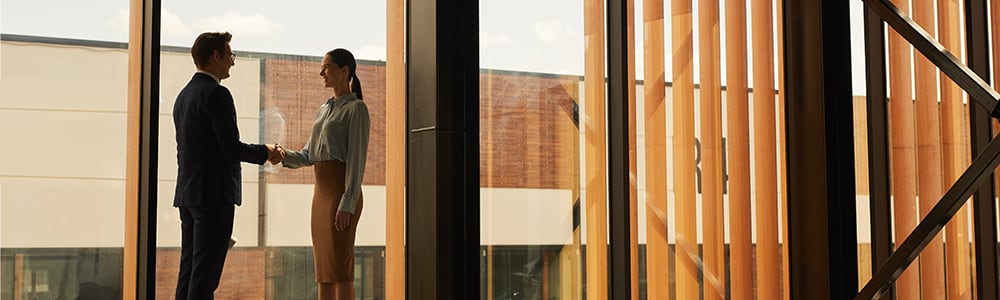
{"x":547,"y":38}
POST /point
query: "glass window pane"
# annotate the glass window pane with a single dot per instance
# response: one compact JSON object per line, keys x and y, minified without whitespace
{"x":534,"y":209}
{"x":277,"y":90}
{"x":63,"y":86}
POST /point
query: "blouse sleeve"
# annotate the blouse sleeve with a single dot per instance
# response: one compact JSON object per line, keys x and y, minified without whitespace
{"x":295,"y":160}
{"x":356,"y":156}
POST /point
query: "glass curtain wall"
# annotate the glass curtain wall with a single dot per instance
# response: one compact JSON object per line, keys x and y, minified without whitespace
{"x":542,"y":151}
{"x":278,"y":90}
{"x":63,"y":110}
{"x":709,"y":119}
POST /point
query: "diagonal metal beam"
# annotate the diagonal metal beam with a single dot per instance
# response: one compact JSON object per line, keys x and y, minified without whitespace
{"x":980,"y":170}
{"x":977,"y":88}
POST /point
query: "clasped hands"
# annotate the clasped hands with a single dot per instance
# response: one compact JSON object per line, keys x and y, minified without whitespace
{"x":275,"y":153}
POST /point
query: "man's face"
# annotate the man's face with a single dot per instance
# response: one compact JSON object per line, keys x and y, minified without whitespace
{"x":226,"y":61}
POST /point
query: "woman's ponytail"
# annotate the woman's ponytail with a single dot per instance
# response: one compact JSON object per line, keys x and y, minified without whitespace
{"x":356,"y":85}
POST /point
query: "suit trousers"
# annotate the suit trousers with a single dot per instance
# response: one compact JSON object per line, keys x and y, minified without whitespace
{"x":205,"y":235}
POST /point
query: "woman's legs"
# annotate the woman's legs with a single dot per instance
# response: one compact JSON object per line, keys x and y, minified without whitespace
{"x":344,"y":290}
{"x":336,"y":291}
{"x":326,"y":291}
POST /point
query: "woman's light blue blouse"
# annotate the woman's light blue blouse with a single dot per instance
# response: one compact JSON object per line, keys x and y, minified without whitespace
{"x":340,"y":132}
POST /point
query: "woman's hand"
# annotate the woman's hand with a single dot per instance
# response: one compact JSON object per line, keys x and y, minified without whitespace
{"x":343,"y":220}
{"x":275,"y":153}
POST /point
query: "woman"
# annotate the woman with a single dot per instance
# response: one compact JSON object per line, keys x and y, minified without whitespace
{"x":337,"y":150}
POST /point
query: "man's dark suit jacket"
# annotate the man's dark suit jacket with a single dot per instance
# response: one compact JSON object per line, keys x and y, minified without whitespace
{"x":209,"y":150}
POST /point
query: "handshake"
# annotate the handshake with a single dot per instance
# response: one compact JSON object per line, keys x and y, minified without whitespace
{"x":275,"y":153}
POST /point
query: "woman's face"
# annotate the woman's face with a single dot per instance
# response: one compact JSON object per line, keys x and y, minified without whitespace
{"x":333,"y":75}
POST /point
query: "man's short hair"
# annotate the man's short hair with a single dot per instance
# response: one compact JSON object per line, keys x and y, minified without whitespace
{"x":206,"y":44}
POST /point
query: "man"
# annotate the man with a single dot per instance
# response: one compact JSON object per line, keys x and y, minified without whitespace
{"x":209,"y":152}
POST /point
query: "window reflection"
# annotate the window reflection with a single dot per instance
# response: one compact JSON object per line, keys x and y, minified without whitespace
{"x":533,"y":211}
{"x":61,"y":212}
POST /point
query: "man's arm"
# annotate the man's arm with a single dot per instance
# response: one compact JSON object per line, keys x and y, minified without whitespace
{"x":222,"y":112}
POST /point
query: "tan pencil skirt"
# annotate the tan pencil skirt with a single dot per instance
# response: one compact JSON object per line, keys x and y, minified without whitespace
{"x":333,"y":251}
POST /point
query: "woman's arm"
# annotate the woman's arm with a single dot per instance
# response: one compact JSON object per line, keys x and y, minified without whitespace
{"x":295,"y":160}
{"x":357,"y":154}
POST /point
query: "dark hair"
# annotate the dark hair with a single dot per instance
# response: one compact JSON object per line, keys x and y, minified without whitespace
{"x":206,"y":44}
{"x":342,"y":57}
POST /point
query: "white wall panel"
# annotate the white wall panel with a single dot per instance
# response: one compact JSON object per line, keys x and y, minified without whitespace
{"x":62,"y":144}
{"x":55,"y":77}
{"x":61,"y":212}
{"x":526,"y":216}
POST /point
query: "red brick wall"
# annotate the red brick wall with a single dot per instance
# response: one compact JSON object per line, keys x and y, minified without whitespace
{"x":528,"y":137}
{"x":528,"y":132}
{"x":242,"y":277}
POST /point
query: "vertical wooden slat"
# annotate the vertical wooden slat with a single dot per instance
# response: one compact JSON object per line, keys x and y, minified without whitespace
{"x":738,"y":140}
{"x":19,"y":276}
{"x":657,"y":262}
{"x":684,"y":159}
{"x":954,"y":155}
{"x":929,"y":178}
{"x":782,"y":156}
{"x":632,"y":159}
{"x":861,"y":181}
{"x":597,"y":226}
{"x":489,"y":178}
{"x":569,"y":256}
{"x":713,"y":249}
{"x":861,"y":146}
{"x":133,"y":116}
{"x":768,"y":266}
{"x":902,"y":153}
{"x":395,"y":151}
{"x":569,"y":266}
{"x":864,"y":264}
